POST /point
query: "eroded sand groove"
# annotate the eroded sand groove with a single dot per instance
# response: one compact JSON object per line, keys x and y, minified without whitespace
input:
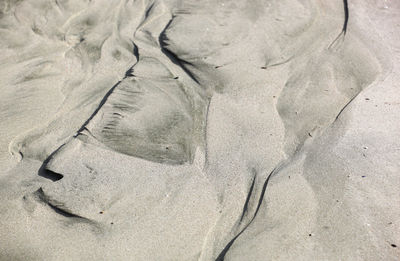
{"x":160,"y":77}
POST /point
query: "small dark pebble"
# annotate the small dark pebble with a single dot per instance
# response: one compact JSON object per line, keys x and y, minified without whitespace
{"x":363,"y":176}
{"x":101,"y":212}
{"x":309,"y":235}
{"x":176,"y":77}
{"x":264,"y":67}
{"x":367,"y":99}
{"x":309,"y":134}
{"x":112,"y":223}
{"x":216,"y":67}
{"x":166,"y":148}
{"x":393,"y":245}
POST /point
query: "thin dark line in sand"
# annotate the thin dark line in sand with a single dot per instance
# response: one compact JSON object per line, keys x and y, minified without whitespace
{"x":221,"y":256}
{"x":346,"y":21}
{"x":246,"y":204}
{"x":172,"y":56}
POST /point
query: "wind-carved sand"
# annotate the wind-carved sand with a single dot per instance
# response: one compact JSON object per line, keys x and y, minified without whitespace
{"x":188,"y":130}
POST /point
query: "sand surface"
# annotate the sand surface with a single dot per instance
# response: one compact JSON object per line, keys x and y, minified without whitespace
{"x":200,"y":130}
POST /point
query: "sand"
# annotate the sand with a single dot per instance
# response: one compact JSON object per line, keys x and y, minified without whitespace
{"x":199,"y":130}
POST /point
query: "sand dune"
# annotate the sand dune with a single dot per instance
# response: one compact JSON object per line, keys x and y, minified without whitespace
{"x":199,"y":130}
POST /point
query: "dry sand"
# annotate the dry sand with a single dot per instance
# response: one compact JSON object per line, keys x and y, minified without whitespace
{"x":199,"y":130}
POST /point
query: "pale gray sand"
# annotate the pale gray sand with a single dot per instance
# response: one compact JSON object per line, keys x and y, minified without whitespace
{"x":187,"y":130}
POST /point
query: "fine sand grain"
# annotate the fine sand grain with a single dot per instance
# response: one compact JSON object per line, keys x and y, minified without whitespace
{"x":199,"y":130}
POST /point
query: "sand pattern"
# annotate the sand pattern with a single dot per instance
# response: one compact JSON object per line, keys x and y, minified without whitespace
{"x":199,"y":130}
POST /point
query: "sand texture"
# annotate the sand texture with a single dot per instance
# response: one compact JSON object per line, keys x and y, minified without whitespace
{"x":200,"y":130}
